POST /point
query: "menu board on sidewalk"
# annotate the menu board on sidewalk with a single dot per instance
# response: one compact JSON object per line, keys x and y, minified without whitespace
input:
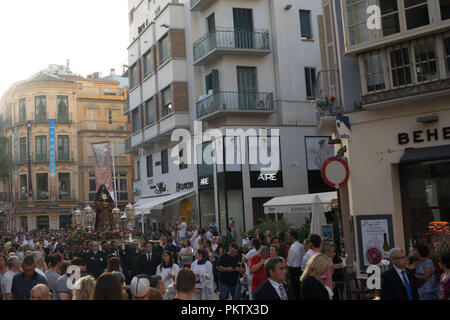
{"x":371,"y":230}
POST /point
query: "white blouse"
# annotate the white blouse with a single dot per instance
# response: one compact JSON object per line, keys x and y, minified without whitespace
{"x":164,"y":274}
{"x":206,"y":280}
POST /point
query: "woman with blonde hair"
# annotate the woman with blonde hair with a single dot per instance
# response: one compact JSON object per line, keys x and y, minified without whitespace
{"x":40,"y":292}
{"x":312,"y":285}
{"x":83,"y":288}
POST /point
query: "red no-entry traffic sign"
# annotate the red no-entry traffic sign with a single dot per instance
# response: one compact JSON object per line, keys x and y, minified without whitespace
{"x":335,"y":172}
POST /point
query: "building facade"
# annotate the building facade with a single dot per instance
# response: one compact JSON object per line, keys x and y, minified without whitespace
{"x":100,"y":109}
{"x":159,"y":105}
{"x":41,"y":126}
{"x":241,"y":73}
{"x":398,"y":149}
{"x":48,"y":128}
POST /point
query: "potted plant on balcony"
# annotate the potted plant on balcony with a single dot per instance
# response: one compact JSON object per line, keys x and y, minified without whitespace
{"x":323,"y":107}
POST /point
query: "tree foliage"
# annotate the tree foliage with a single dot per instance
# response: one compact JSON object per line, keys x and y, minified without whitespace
{"x":6,"y":165}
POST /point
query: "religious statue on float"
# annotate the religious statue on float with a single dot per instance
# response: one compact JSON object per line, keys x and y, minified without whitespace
{"x":104,"y":218}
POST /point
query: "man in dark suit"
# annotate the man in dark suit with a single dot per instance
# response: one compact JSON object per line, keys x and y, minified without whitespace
{"x":275,"y":287}
{"x":96,"y":261}
{"x":172,"y":248}
{"x":398,"y":283}
{"x":148,"y":262}
{"x":129,"y":258}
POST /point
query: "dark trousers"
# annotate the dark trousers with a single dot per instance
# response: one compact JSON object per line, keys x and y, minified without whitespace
{"x":294,"y":278}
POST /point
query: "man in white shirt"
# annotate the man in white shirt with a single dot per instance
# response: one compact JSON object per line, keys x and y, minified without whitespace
{"x":40,"y":263}
{"x":245,"y":240}
{"x":254,"y":244}
{"x":294,"y":262}
{"x":315,"y":242}
{"x":182,"y":229}
{"x":194,"y":240}
{"x":7,"y":280}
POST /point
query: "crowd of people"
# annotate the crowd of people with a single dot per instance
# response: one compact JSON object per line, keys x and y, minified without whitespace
{"x":198,"y":264}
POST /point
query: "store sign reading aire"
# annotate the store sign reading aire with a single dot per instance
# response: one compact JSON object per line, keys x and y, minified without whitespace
{"x":261,"y":179}
{"x":204,"y":181}
{"x":268,"y":177}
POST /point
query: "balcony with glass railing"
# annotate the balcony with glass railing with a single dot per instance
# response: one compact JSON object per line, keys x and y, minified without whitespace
{"x":199,"y":5}
{"x":230,"y":41}
{"x":243,"y":102}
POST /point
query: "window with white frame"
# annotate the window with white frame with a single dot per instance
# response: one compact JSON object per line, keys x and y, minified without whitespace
{"x":148,"y":63}
{"x":149,"y":112}
{"x":133,"y":76}
{"x":163,"y":49}
{"x":444,"y":6}
{"x":389,"y":17}
{"x":374,"y":73}
{"x":164,"y":162}
{"x":357,"y":21}
{"x":425,"y":60}
{"x":305,"y":24}
{"x":310,"y":78}
{"x":167,"y":101}
{"x":138,"y":171}
{"x":416,"y":13}
{"x":400,"y":67}
{"x":135,"y":120}
{"x":447,"y":54}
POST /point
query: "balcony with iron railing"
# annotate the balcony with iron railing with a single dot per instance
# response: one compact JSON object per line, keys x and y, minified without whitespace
{"x":96,"y":125}
{"x":41,"y":117}
{"x":327,"y":104}
{"x":230,"y":41}
{"x":100,"y":92}
{"x":119,"y":160}
{"x":41,"y":157}
{"x":128,"y":148}
{"x":200,"y":5}
{"x":5,"y":197}
{"x":44,"y":195}
{"x":65,"y":156}
{"x":243,"y":102}
{"x":64,"y":117}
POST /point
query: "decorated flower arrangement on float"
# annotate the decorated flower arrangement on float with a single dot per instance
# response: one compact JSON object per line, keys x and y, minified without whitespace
{"x":77,"y":237}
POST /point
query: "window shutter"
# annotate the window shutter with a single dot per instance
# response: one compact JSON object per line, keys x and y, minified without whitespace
{"x":215,"y":81}
{"x":305,"y":24}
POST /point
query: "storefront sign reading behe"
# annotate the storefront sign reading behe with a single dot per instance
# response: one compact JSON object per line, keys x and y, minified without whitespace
{"x":420,"y":136}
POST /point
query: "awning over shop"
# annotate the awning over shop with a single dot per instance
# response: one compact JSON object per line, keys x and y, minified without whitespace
{"x":145,"y":205}
{"x":414,"y":155}
{"x":299,"y":203}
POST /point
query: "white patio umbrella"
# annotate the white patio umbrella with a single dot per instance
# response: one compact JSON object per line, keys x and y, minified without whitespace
{"x":317,"y":217}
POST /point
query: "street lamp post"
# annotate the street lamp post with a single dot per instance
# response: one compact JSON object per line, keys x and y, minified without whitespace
{"x":130,"y":212}
{"x":89,"y":216}
{"x":78,"y":216}
{"x":116,"y":213}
